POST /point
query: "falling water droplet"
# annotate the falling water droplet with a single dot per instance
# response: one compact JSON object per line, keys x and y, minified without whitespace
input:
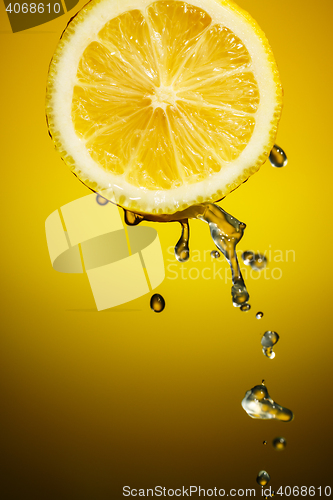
{"x":263,"y":382}
{"x":258,"y":404}
{"x":268,"y":340}
{"x":270,"y":496}
{"x":259,"y":262}
{"x":182,"y":251}
{"x":215,"y":254}
{"x":101,"y":200}
{"x":279,"y":443}
{"x":264,"y":442}
{"x":245,"y":307}
{"x":278,"y":157}
{"x":157,"y":303}
{"x":247,"y":257}
{"x":259,"y":315}
{"x":263,"y":478}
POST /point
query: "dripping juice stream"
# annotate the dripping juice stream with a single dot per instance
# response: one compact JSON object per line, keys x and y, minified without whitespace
{"x":226,"y":232}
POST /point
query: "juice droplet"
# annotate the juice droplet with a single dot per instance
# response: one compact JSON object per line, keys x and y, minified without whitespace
{"x":258,"y":404}
{"x":226,"y":232}
{"x":101,"y":200}
{"x":270,"y":496}
{"x":279,"y":443}
{"x":268,"y":340}
{"x":157,"y":303}
{"x":259,"y":315}
{"x":278,"y":157}
{"x":132,"y":219}
{"x":263,"y":478}
{"x":263,"y":382}
{"x":182,"y":251}
{"x":215,"y":254}
{"x":259,"y":262}
{"x":264,"y":443}
{"x":245,"y":307}
{"x":247,"y":257}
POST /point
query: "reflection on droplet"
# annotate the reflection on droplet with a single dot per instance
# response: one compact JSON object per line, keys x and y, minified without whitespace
{"x":259,"y":315}
{"x":258,"y":404}
{"x":101,"y":200}
{"x":268,"y":340}
{"x":245,"y":307}
{"x":278,"y":157}
{"x":263,"y":478}
{"x":247,"y":257}
{"x":264,"y":442}
{"x":157,"y":303}
{"x":215,"y":254}
{"x":279,"y":443}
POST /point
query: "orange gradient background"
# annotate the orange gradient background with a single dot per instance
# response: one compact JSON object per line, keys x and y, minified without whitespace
{"x":93,"y":401}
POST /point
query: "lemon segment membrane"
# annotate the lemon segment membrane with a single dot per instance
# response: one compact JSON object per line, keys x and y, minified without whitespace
{"x":161,"y":105}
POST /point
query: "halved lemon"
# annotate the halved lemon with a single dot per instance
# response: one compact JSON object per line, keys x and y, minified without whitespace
{"x":161,"y":105}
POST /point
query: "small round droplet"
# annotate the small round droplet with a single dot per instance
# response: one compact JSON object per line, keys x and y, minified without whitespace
{"x":101,"y":200}
{"x":245,"y":307}
{"x":215,"y":254}
{"x":157,"y":303}
{"x":259,"y":315}
{"x":259,"y":262}
{"x":263,"y":382}
{"x":279,"y":443}
{"x":263,"y":478}
{"x":264,"y":443}
{"x":278,"y":157}
{"x":248,"y":257}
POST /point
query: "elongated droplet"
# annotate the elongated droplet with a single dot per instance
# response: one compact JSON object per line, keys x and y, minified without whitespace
{"x":258,"y":404}
{"x":182,"y":251}
{"x":278,"y":157}
{"x":263,"y":478}
{"x":226,"y":232}
{"x":279,"y":443}
{"x":269,"y":340}
{"x":259,"y":315}
{"x":157,"y":303}
{"x":101,"y":200}
{"x":215,"y":254}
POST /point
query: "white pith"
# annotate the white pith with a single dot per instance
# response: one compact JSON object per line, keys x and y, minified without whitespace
{"x":115,"y":187}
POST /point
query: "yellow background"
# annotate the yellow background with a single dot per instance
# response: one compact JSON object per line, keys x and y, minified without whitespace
{"x":92,"y":401}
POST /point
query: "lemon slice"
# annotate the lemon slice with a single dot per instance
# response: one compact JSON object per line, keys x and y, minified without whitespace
{"x":161,"y":105}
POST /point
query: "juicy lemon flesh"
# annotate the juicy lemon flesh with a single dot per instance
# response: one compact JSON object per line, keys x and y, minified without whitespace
{"x":165,"y":98}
